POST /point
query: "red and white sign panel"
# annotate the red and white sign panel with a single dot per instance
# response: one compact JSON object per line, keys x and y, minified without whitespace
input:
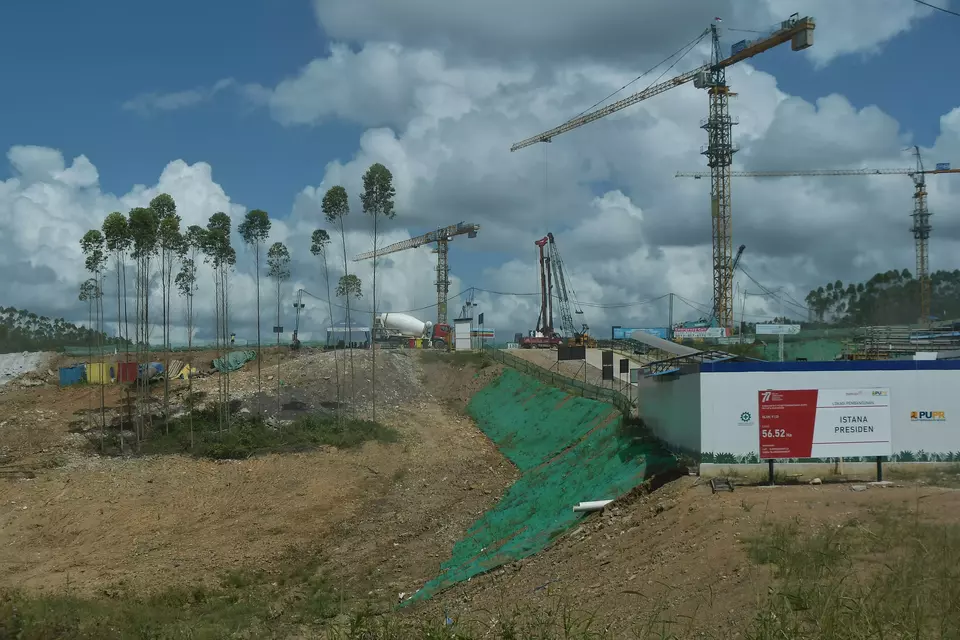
{"x":824,"y":423}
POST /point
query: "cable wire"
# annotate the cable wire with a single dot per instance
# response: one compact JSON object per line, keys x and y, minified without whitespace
{"x":681,"y":51}
{"x":933,"y":6}
{"x":780,"y":296}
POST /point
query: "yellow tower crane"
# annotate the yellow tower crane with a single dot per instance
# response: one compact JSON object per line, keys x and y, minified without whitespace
{"x":719,"y":149}
{"x":442,"y":237}
{"x":921,"y":215}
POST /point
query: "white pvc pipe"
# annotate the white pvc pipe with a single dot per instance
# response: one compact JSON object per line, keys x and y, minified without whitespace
{"x":592,"y":505}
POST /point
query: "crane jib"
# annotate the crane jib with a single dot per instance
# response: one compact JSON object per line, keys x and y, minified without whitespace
{"x":798,"y":30}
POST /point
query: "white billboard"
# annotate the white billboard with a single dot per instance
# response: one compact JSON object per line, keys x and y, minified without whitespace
{"x":694,"y":333}
{"x":777,"y":329}
{"x":923,"y":410}
{"x":824,"y":423}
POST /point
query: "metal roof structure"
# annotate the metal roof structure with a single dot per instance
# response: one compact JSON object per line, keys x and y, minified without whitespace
{"x":668,"y":346}
{"x":672,"y":365}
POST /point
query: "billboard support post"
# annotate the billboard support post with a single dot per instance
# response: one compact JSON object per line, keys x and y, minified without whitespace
{"x":770,"y":471}
{"x":879,"y":468}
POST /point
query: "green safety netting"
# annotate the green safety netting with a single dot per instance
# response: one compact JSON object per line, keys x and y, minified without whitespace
{"x":568,"y":450}
{"x":233,"y":361}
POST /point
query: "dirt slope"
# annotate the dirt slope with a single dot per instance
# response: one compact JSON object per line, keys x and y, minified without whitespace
{"x":676,"y":555}
{"x":382,"y":516}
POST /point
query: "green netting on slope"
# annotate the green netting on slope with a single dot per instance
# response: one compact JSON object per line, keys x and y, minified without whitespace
{"x":531,"y":422}
{"x":568,"y":450}
{"x":233,"y":361}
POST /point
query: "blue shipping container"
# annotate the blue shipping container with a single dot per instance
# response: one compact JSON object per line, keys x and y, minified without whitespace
{"x":943,"y":166}
{"x":72,"y":375}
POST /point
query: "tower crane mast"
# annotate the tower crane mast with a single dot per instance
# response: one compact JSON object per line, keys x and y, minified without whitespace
{"x":921,"y":214}
{"x":442,"y":237}
{"x":719,"y":149}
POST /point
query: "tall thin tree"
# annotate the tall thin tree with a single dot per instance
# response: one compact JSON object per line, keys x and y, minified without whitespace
{"x":187,"y":285}
{"x":144,"y":228}
{"x":255,"y":229}
{"x":116,"y":234}
{"x":92,"y":245}
{"x":278,"y":263}
{"x":169,"y":242}
{"x":221,"y":256}
{"x":319,"y":242}
{"x":377,"y":199}
{"x":89,"y":293}
{"x":336,"y":207}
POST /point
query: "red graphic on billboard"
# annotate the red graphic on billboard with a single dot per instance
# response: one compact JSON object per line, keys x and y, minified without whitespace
{"x":787,"y":420}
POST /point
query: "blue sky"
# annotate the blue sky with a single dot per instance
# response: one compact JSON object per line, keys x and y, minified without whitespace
{"x":70,"y":66}
{"x":66,"y":88}
{"x":908,"y":79}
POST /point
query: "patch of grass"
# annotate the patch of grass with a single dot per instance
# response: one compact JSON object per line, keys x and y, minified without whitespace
{"x":935,"y":474}
{"x":249,"y":436}
{"x":296,"y":599}
{"x":263,"y":604}
{"x":895,"y":576}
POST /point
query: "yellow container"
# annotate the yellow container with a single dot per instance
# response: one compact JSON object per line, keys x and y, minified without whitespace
{"x":101,"y":372}
{"x":419,"y":343}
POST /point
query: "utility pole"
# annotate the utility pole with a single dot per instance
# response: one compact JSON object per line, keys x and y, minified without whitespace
{"x":670,"y":318}
{"x":780,"y":337}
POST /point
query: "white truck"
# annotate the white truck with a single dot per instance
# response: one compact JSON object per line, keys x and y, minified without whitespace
{"x":400,"y":327}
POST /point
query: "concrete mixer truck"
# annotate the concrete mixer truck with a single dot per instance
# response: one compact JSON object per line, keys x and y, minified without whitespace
{"x":399,"y":328}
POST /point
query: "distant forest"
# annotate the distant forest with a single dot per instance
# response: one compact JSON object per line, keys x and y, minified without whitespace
{"x":21,"y":330}
{"x":886,"y":298}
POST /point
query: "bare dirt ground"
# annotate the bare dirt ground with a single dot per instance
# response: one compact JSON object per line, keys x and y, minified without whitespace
{"x":677,"y":555}
{"x":385,"y":515}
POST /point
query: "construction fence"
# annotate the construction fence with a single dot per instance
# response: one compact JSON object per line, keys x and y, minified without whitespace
{"x":566,"y":383}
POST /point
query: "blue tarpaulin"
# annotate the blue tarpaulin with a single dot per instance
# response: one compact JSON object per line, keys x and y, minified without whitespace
{"x":149,"y":371}
{"x":72,"y":375}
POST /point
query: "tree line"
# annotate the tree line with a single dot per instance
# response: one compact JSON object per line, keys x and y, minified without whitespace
{"x":150,"y":241}
{"x":888,"y":298}
{"x":23,"y":330}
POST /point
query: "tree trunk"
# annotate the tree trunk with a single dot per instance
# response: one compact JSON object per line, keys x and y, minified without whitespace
{"x":190,"y":404}
{"x":103,"y":383}
{"x":226,"y":332}
{"x":336,"y":365}
{"x":126,"y":332}
{"x":120,"y":334}
{"x":347,"y":342}
{"x":218,"y":329}
{"x":146,"y":332}
{"x":373,"y":326}
{"x":166,"y":265}
{"x":259,"y":348}
{"x":278,"y":349}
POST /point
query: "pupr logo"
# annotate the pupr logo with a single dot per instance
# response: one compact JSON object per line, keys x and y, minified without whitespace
{"x":745,"y":416}
{"x":928,"y":416}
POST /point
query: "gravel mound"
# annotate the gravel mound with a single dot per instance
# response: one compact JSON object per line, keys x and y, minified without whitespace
{"x":14,"y":365}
